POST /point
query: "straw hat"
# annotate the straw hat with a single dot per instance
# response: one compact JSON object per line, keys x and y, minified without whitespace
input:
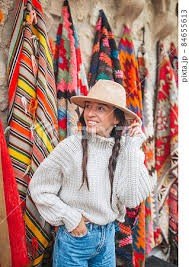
{"x":107,"y":92}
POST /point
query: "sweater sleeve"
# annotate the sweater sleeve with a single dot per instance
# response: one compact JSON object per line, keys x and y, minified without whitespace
{"x":134,"y":184}
{"x":44,"y":188}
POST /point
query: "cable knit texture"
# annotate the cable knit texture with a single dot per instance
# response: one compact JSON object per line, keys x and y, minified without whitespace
{"x":55,"y":186}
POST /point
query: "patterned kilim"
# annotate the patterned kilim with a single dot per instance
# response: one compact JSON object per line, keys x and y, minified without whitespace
{"x":69,"y":72}
{"x":15,"y":51}
{"x":105,"y":58}
{"x":151,"y":221}
{"x":82,"y":83}
{"x":166,"y":139}
{"x":123,"y":238}
{"x":131,"y":82}
{"x":34,"y":125}
{"x":173,"y":56}
{"x":173,"y":193}
{"x":142,"y":68}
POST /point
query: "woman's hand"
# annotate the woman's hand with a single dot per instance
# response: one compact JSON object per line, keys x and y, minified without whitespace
{"x":135,"y":128}
{"x":81,"y":229}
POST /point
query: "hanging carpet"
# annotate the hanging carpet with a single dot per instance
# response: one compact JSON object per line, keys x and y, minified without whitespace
{"x":147,"y":102}
{"x":105,"y":58}
{"x":166,"y":129}
{"x":33,"y":124}
{"x":131,"y":83}
{"x":69,"y":72}
{"x":15,"y":51}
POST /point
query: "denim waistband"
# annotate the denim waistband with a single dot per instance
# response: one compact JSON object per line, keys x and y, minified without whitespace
{"x":92,"y":226}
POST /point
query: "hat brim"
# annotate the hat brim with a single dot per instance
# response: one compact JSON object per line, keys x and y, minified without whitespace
{"x":80,"y":101}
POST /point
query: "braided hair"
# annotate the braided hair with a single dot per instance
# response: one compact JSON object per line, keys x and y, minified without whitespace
{"x":84,"y":144}
{"x":116,"y":133}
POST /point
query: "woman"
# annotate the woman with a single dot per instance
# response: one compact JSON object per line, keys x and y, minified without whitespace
{"x":89,"y":179}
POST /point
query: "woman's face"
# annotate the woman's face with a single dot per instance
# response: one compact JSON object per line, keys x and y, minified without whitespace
{"x":99,"y":118}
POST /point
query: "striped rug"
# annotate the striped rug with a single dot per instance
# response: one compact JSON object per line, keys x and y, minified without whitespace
{"x":69,"y":72}
{"x":15,"y":51}
{"x":34,"y":125}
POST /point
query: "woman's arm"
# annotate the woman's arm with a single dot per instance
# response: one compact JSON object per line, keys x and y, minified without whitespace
{"x":134,"y":184}
{"x":45,"y":185}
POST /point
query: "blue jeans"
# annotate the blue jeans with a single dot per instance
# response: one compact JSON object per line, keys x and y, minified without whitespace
{"x":95,"y":248}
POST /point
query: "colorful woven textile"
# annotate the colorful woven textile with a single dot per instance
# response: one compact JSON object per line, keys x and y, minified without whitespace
{"x":69,"y":72}
{"x":34,"y":125}
{"x":142,"y":68}
{"x":15,"y":51}
{"x":173,"y":56}
{"x":5,"y":250}
{"x":147,"y":114}
{"x":1,"y":16}
{"x":173,"y":193}
{"x":14,"y":216}
{"x":105,"y":57}
{"x":173,"y":222}
{"x":131,"y":83}
{"x":129,"y":66}
{"x":152,"y":213}
{"x":123,"y":238}
{"x":166,"y":127}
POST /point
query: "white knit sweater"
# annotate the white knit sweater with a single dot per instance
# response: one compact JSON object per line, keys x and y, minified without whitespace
{"x":55,"y":186}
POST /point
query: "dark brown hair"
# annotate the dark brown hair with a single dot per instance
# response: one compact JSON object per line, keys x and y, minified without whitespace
{"x":116,"y":133}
